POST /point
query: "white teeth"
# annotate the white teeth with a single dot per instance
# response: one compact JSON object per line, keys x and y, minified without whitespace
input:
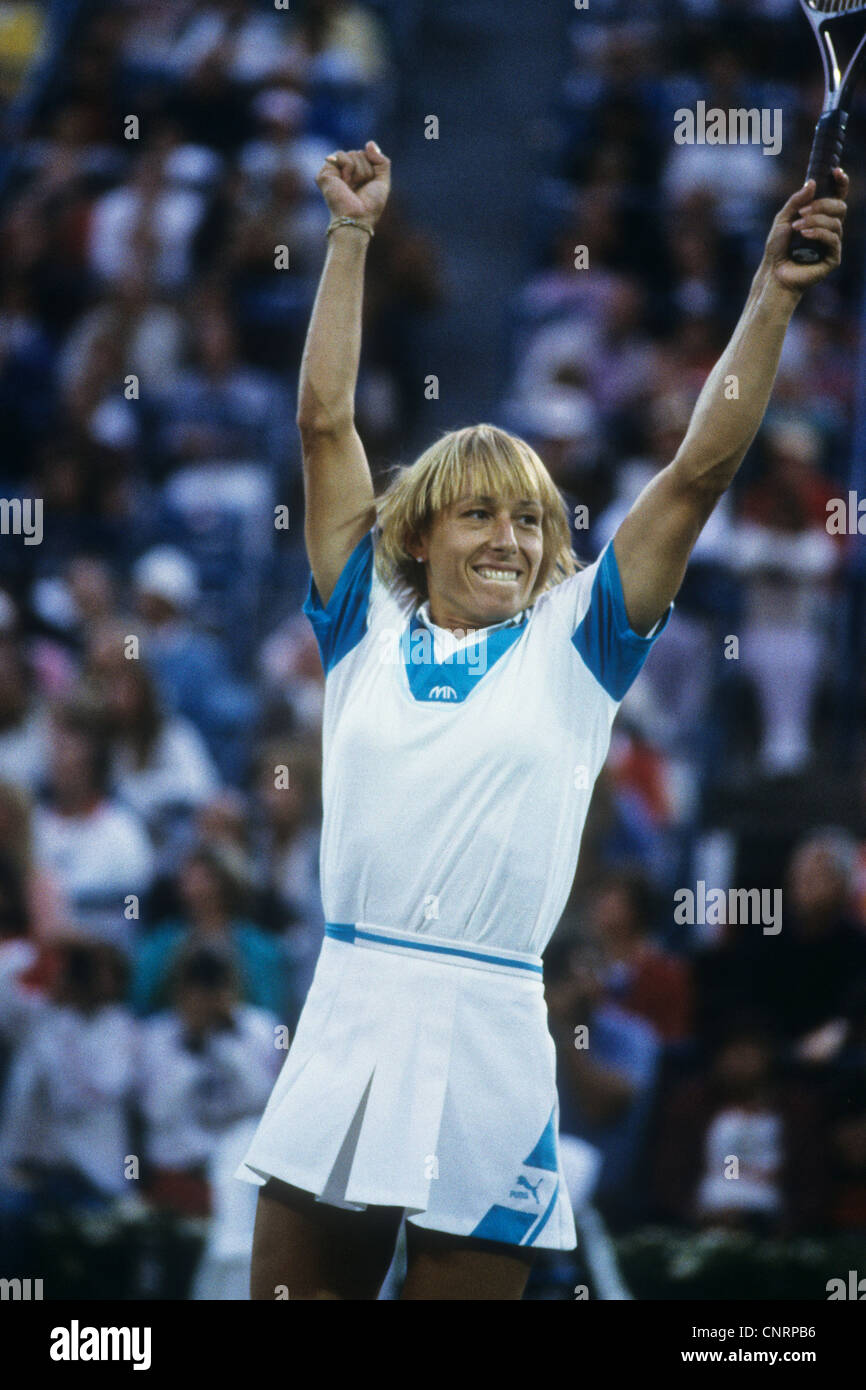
{"x":496,"y":574}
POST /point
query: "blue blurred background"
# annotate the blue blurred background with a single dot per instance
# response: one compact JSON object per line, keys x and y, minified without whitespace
{"x":159,"y":898}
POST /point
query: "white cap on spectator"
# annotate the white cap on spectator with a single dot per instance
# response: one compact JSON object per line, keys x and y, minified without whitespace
{"x":195,"y":166}
{"x":113,"y":425}
{"x":796,"y":439}
{"x":561,"y":413}
{"x":168,"y":574}
{"x":52,"y":601}
{"x":281,"y":106}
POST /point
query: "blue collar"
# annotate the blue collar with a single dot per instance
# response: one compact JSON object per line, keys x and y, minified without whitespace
{"x":452,"y":680}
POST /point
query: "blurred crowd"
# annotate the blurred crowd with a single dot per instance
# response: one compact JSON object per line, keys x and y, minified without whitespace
{"x":161,"y":692}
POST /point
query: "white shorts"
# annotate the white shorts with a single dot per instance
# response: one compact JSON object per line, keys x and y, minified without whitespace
{"x":422,"y":1075}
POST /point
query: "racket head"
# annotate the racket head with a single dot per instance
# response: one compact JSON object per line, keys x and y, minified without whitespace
{"x":829,"y":9}
{"x":822,"y":15}
{"x":829,"y":139}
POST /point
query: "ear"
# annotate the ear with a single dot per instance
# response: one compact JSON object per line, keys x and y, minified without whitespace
{"x":415,"y":547}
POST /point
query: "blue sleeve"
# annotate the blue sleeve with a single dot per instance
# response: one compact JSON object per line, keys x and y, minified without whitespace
{"x":604,"y":639}
{"x":340,"y":624}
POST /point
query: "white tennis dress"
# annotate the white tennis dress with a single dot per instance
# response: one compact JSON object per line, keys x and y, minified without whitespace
{"x":457,"y":774}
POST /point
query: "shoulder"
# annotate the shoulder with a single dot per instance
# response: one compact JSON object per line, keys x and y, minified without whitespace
{"x":360,"y":601}
{"x":589,"y":608}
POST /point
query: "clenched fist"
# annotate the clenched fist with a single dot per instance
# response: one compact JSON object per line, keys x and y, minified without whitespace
{"x":356,"y":183}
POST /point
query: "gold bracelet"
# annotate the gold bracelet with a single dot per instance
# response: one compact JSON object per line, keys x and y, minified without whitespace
{"x":348,"y":222}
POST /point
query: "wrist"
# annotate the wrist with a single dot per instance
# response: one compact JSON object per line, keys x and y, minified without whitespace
{"x":348,"y":246}
{"x":768,"y":290}
{"x":341,"y":225}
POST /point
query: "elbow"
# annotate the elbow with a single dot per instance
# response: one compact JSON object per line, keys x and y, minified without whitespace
{"x":709,"y":457}
{"x":323,"y":420}
{"x":704,"y":478}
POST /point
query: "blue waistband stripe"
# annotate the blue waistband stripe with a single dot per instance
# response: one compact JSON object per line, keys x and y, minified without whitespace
{"x":347,"y":931}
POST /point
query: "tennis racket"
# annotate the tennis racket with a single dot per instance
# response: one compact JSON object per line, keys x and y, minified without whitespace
{"x":828,"y":19}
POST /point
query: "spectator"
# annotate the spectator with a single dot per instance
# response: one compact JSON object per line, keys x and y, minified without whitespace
{"x":147,"y":227}
{"x":787,"y":559}
{"x":191,"y":667}
{"x":282,"y":116}
{"x":97,"y":849}
{"x":288,"y":854}
{"x":253,"y":47}
{"x":347,"y":36}
{"x":64,"y":1134}
{"x":24,"y":725}
{"x":219,"y":408}
{"x":206,"y":1062}
{"x":802,"y":975}
{"x":22,"y":37}
{"x":739,"y":1147}
{"x":291,"y":667}
{"x":213,"y":887}
{"x":641,"y":978}
{"x":152,"y":333}
{"x":44,"y":906}
{"x":160,"y":764}
{"x":607,"y":1068}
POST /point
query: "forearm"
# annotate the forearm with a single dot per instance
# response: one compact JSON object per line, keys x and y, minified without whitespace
{"x":735,"y":396}
{"x":332,"y":352}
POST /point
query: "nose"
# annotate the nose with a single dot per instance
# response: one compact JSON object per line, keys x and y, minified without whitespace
{"x":503,"y":533}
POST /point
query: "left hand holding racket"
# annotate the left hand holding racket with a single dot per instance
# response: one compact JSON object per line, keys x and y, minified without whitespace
{"x":820,"y":219}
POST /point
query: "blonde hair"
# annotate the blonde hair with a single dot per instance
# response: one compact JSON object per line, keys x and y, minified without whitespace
{"x":476,"y":460}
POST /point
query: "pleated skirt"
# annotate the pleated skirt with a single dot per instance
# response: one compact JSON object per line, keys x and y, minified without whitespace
{"x":422,"y":1075}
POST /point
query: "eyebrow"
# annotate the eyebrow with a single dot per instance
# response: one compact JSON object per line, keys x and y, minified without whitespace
{"x":522,"y":502}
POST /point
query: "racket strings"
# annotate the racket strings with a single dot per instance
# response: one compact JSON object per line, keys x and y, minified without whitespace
{"x":834,"y":7}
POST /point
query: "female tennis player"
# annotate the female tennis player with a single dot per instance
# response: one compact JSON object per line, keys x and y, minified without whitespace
{"x":473,"y":671}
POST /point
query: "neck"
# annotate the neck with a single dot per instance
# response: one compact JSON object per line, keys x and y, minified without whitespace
{"x":461,"y":626}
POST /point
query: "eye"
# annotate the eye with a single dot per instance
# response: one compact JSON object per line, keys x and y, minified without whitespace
{"x":526,"y":516}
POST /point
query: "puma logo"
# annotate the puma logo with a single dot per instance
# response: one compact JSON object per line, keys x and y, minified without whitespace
{"x":524,"y":1182}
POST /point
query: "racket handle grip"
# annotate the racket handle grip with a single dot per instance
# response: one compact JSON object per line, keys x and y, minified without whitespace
{"x":826,"y":156}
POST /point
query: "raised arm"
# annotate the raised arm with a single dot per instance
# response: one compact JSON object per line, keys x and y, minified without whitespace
{"x":339,"y":502}
{"x":653,"y":543}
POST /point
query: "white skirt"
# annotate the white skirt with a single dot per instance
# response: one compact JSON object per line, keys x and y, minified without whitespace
{"x":422,"y":1075}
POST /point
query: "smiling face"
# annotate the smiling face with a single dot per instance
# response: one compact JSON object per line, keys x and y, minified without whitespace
{"x":482,"y":558}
